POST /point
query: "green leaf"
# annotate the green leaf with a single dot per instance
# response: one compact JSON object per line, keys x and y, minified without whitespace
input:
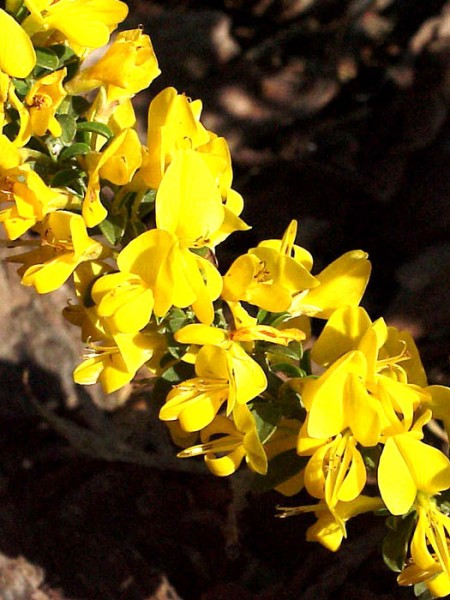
{"x":65,"y":54}
{"x":371,"y":457}
{"x":79,"y":105}
{"x":69,"y":128}
{"x":78,"y":149}
{"x":273,"y":319}
{"x":396,"y":542}
{"x":305,"y":362}
{"x":173,"y":375}
{"x":113,"y":228}
{"x":94,"y":127}
{"x":422,"y":592}
{"x":281,"y":468}
{"x":289,"y":402}
{"x":147,"y":204}
{"x":65,"y":177}
{"x":294,"y":351}
{"x":47,"y":59}
{"x":134,"y":229}
{"x":266,"y":417}
{"x":287,"y":369}
{"x":22,"y":86}
{"x":177,"y":319}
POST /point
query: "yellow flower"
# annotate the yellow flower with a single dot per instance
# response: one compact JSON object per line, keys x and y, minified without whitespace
{"x":84,"y":23}
{"x":408,"y":467}
{"x":153,"y":266}
{"x":247,"y":280}
{"x":195,"y":402}
{"x":285,"y":262}
{"x":336,"y":471}
{"x":269,"y":275}
{"x":31,"y":200}
{"x":17,"y":55}
{"x":367,"y":388}
{"x":191,"y":169}
{"x":342,"y":282}
{"x":439,"y":403}
{"x":282,"y":440}
{"x":115,"y":361}
{"x":225,"y":443}
{"x":173,"y":124}
{"x":25,"y":130}
{"x":329,"y":530}
{"x":246,"y":330}
{"x":117,"y":163}
{"x":4,"y":88}
{"x":222,"y":374}
{"x":64,"y":245}
{"x":9,"y":159}
{"x":128,"y":66}
{"x":276,"y":276}
{"x":430,"y":549}
{"x":84,"y":314}
{"x":188,"y":201}
{"x":43,"y":100}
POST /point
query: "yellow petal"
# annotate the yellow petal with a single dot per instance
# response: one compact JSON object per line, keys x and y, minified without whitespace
{"x":342,"y":282}
{"x":188,"y":202}
{"x":396,"y":483}
{"x":225,"y":465}
{"x":17,"y":55}
{"x":343,"y":330}
{"x":440,"y":404}
{"x":197,"y":333}
{"x":324,"y":397}
{"x":125,"y":299}
{"x":355,"y":478}
{"x":363,"y":412}
{"x":255,"y":455}
{"x":314,"y":472}
{"x":247,"y":376}
{"x":269,"y":296}
{"x":194,"y":408}
{"x":407,"y":466}
{"x":9,"y":154}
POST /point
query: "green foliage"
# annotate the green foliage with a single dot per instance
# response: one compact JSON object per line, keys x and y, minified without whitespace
{"x":396,"y":542}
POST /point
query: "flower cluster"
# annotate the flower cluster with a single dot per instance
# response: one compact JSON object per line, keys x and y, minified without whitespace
{"x":134,"y":226}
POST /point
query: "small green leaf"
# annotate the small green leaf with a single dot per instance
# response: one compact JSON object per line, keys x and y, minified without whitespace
{"x":69,"y":128}
{"x":422,"y":592}
{"x":178,"y":372}
{"x":147,"y":204}
{"x":266,"y":417}
{"x":94,"y":127}
{"x":22,"y":86}
{"x":305,"y":362}
{"x":293,"y":351}
{"x":395,"y":543}
{"x":79,"y":105}
{"x":65,"y":177}
{"x":289,"y":402}
{"x":281,"y":468}
{"x":78,"y":149}
{"x":113,"y":228}
{"x":371,"y":457}
{"x":65,"y":54}
{"x":273,"y":319}
{"x":134,"y":229}
{"x":47,"y":59}
{"x":177,"y":323}
{"x":287,"y":369}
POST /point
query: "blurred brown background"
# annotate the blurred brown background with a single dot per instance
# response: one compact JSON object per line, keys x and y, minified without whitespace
{"x":336,"y":112}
